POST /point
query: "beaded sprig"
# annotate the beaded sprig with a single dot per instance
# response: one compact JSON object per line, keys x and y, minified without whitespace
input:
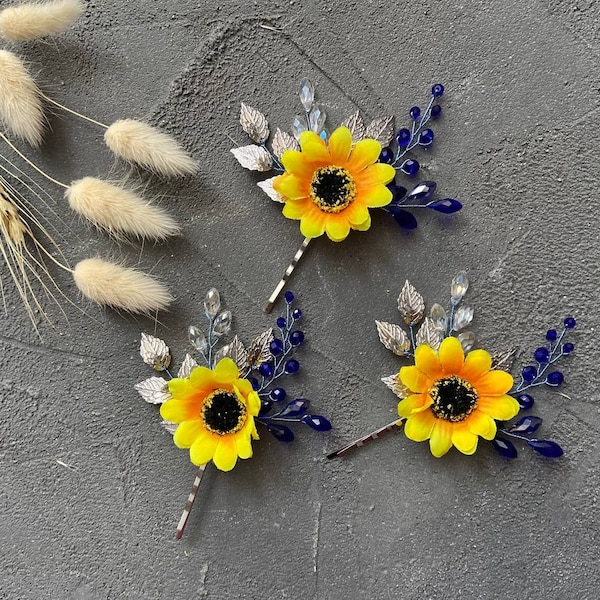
{"x":213,"y":410}
{"x":452,"y":394}
{"x":330,"y":181}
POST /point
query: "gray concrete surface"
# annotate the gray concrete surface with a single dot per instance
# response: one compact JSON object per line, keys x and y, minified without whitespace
{"x":517,"y":145}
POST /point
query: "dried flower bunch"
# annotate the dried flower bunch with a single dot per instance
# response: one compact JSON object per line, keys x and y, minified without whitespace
{"x":214,"y":410}
{"x":453,"y":395}
{"x":329,"y":182}
{"x":112,"y":207}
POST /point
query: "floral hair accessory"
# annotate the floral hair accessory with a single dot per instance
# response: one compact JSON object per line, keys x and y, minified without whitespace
{"x":453,"y":395}
{"x":329,"y":182}
{"x":214,"y":410}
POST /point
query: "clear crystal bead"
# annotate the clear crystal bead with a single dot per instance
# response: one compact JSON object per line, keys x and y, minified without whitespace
{"x":439,"y":317}
{"x":222,"y":324}
{"x":316,"y":118}
{"x":466,"y":339}
{"x":299,"y":125}
{"x":197,"y":339}
{"x":459,"y":287}
{"x":462,"y":317}
{"x":307,"y":94}
{"x":221,"y":353}
{"x":212,"y":302}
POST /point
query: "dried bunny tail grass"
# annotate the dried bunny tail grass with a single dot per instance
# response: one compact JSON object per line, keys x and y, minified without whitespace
{"x":36,"y":20}
{"x":118,"y":210}
{"x":119,"y":287}
{"x":20,"y":103}
{"x":149,"y":148}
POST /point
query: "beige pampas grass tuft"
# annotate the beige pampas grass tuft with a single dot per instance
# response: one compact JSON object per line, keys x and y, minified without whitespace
{"x":118,"y":210}
{"x":20,"y":103}
{"x":35,"y":20}
{"x":148,"y":147}
{"x":112,"y":285}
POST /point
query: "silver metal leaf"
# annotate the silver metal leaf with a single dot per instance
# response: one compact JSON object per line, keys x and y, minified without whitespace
{"x":504,"y":359}
{"x":411,"y":304}
{"x":154,"y":390}
{"x":394,"y":383}
{"x":155,"y":352}
{"x":356,"y":125}
{"x":253,"y":158}
{"x":381,"y":130}
{"x":428,"y":334}
{"x":283,"y":141}
{"x":393,"y":337}
{"x":267,"y":187}
{"x":258,"y":351}
{"x":169,"y":426}
{"x":254,"y":123}
{"x":238,"y":353}
{"x":462,"y":317}
{"x":187,"y":366}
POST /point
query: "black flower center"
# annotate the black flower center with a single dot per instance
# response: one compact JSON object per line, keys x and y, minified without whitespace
{"x":222,"y":412}
{"x":332,"y":188}
{"x":454,"y":399}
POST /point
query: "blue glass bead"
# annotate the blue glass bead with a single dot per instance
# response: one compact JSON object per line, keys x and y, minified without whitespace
{"x":423,"y":191}
{"x":297,"y":314}
{"x":276,"y":347}
{"x":570,"y":322}
{"x":399,"y":192}
{"x":405,"y":219}
{"x":414,"y":112}
{"x":436,"y":111}
{"x":541,"y":354}
{"x":317,"y":422}
{"x":527,"y":425}
{"x":280,"y":432}
{"x":525,"y":401}
{"x":555,"y":378}
{"x":426,"y":137}
{"x":277,"y":394}
{"x":291,"y":366}
{"x":446,"y":206}
{"x":297,"y":338}
{"x":568,"y":348}
{"x":504,"y":447}
{"x":437,"y":90}
{"x":266,"y":369}
{"x":546,"y":448}
{"x":410,"y":167}
{"x":289,"y":297}
{"x":551,"y":335}
{"x":281,"y":322}
{"x":529,"y":373}
{"x":254,"y":383}
{"x":386,"y":156}
{"x":403,"y":137}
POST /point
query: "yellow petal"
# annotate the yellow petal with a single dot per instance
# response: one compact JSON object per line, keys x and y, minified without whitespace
{"x":312,"y":224}
{"x":481,"y":424}
{"x":310,"y":137}
{"x":226,"y":371}
{"x":364,"y":226}
{"x":376,"y":174}
{"x":226,"y":453}
{"x":477,"y":363}
{"x":356,"y":213}
{"x":293,"y":187}
{"x":418,"y":427}
{"x":296,"y":163}
{"x":502,"y":408}
{"x":243,"y":444}
{"x":375,"y":196}
{"x":253,"y":403}
{"x":415,"y":380}
{"x":201,"y":377}
{"x":364,"y":153}
{"x":180,"y":388}
{"x":337,"y":228}
{"x":203,"y":449}
{"x":340,"y":144}
{"x":413,"y":404}
{"x":494,"y":383}
{"x":451,"y":355}
{"x":464,"y":440}
{"x":177,"y":410}
{"x":296,"y":209}
{"x":441,"y":438}
{"x":187,"y":433}
{"x":427,"y":361}
{"x":245,"y":388}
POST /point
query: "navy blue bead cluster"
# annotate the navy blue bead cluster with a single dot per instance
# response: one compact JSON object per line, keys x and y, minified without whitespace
{"x":540,"y":374}
{"x":276,"y":412}
{"x":407,"y":139}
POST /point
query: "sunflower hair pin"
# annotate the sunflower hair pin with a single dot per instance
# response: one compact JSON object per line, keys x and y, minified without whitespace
{"x":329,"y":182}
{"x":453,"y":395}
{"x":214,"y":410}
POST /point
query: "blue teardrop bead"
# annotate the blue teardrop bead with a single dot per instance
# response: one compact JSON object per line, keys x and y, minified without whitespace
{"x":289,"y":297}
{"x":525,"y":401}
{"x":410,"y":166}
{"x":446,"y":206}
{"x":504,"y":447}
{"x":423,"y":192}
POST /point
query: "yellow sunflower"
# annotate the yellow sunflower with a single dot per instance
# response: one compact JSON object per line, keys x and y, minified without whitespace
{"x":454,"y":399}
{"x":331,"y":188}
{"x":215,"y":411}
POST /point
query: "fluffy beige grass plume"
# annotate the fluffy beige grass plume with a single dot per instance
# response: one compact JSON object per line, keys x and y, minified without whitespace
{"x":35,"y":20}
{"x":20,"y":103}
{"x":118,"y":210}
{"x":149,"y":148}
{"x":119,"y":287}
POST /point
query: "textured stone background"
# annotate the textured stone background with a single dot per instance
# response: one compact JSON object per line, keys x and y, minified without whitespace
{"x":516,"y":145}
